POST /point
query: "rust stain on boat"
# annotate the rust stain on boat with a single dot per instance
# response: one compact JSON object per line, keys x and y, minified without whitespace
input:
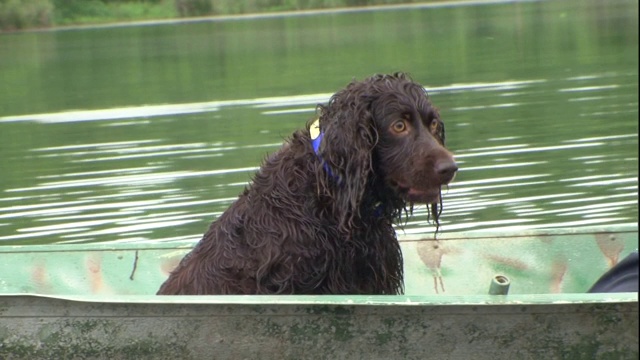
{"x":558,"y":270}
{"x":507,"y":261}
{"x":94,"y":267}
{"x":167,"y":265}
{"x":610,"y":246}
{"x":431,"y":253}
{"x":40,"y":277}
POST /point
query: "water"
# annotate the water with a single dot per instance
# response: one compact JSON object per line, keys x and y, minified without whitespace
{"x":147,"y":133}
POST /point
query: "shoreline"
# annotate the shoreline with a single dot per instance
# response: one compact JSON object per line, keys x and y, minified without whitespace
{"x":267,"y":15}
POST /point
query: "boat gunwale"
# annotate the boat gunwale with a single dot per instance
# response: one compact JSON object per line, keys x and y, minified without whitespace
{"x":349,"y":300}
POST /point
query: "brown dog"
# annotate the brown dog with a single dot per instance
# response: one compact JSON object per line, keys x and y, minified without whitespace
{"x":317,"y":218}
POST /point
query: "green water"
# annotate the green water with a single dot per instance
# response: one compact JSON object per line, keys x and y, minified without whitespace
{"x":147,"y":133}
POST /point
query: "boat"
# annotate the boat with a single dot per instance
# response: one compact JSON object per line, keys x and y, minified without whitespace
{"x":520,"y":294}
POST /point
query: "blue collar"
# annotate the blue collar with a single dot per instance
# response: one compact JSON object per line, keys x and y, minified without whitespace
{"x":316,"y":142}
{"x":316,"y":139}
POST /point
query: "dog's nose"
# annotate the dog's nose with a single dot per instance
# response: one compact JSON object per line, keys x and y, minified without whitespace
{"x":446,"y":170}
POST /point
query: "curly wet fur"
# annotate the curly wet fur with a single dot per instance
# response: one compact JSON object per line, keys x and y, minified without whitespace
{"x":298,"y":229}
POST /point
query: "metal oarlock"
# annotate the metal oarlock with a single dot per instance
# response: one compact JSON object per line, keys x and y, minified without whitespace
{"x":499,"y":285}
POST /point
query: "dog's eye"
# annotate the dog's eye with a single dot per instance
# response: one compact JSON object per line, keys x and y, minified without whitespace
{"x":399,"y":126}
{"x":434,"y":127}
{"x":437,"y":129}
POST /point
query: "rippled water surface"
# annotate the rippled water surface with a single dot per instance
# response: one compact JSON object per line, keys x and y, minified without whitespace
{"x":147,"y":133}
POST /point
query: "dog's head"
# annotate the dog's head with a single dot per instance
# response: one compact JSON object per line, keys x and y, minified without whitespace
{"x":382,"y":135}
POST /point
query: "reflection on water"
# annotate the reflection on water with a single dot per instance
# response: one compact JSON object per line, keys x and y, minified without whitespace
{"x":538,"y":147}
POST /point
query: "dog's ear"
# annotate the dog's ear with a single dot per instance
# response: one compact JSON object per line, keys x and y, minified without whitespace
{"x":348,"y":139}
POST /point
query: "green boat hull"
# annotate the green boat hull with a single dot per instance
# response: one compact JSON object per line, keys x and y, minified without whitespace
{"x":97,"y":301}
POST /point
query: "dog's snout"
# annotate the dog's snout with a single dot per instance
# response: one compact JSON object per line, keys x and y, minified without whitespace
{"x":446,"y":170}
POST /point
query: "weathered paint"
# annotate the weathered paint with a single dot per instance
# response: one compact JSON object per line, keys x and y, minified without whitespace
{"x":96,"y":301}
{"x":591,"y":327}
